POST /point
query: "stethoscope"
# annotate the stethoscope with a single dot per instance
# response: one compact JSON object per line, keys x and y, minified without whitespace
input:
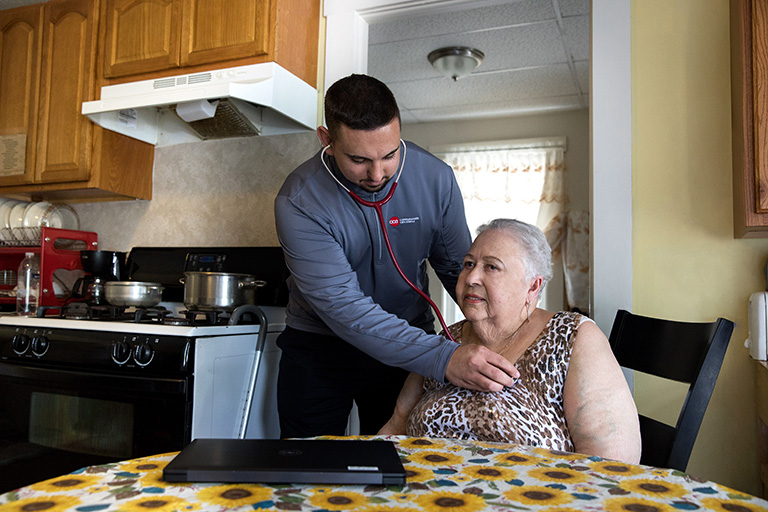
{"x":376,"y":205}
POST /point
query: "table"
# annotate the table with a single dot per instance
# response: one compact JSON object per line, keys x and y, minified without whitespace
{"x":443,"y":476}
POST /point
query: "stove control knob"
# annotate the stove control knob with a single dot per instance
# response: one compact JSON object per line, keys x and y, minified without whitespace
{"x":143,"y":354}
{"x":121,"y":352}
{"x":40,"y":345}
{"x":20,"y":343}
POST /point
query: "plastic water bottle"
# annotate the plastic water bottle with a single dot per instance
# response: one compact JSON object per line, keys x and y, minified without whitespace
{"x":28,"y":285}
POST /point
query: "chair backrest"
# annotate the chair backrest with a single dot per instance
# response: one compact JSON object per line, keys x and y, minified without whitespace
{"x":687,"y":352}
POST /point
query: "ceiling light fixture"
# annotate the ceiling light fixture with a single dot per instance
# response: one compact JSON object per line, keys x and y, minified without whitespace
{"x":456,"y":61}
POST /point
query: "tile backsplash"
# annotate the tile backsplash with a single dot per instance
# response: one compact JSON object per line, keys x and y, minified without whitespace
{"x":210,"y":193}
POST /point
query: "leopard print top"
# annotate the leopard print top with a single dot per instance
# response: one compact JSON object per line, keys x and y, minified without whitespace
{"x":530,"y":412}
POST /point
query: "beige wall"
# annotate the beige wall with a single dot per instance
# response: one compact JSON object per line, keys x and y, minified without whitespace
{"x":686,"y":263}
{"x":212,"y":193}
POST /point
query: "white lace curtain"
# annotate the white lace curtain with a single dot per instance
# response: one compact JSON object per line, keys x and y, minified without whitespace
{"x":514,"y":179}
{"x":523,"y":179}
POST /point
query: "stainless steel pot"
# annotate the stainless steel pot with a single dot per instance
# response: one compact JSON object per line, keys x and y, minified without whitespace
{"x":218,"y":291}
{"x":133,"y":293}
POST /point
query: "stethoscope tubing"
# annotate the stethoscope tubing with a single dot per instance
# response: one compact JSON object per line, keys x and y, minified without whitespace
{"x":376,"y":205}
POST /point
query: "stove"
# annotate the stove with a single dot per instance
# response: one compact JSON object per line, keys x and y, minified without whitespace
{"x":159,"y":315}
{"x":158,"y":343}
{"x":84,"y":384}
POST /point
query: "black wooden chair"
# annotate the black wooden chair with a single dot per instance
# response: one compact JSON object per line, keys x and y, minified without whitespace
{"x":687,"y":352}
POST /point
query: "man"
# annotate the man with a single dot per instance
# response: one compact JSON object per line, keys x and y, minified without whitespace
{"x":354,"y":327}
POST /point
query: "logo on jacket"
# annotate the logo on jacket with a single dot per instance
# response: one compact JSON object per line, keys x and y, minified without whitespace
{"x":396,"y":221}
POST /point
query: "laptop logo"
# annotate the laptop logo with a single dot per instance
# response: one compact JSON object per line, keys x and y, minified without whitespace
{"x":363,"y":468}
{"x":290,"y":452}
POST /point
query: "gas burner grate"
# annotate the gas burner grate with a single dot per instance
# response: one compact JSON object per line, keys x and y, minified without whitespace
{"x":154,"y":314}
{"x":204,"y":317}
{"x":241,"y":315}
{"x":84,"y":311}
{"x":106,"y":312}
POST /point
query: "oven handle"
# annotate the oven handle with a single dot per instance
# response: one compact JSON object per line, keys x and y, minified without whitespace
{"x":148,"y":387}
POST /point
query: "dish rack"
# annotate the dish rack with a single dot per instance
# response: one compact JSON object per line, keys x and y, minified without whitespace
{"x":21,"y":237}
{"x":58,"y":249}
{"x":51,"y":215}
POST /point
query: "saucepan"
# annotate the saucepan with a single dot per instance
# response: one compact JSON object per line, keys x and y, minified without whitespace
{"x":218,"y":291}
{"x":133,"y":293}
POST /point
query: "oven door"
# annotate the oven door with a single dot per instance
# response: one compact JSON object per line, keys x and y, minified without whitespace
{"x":56,"y":421}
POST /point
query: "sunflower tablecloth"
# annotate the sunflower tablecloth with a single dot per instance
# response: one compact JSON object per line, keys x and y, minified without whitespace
{"x":442,"y":476}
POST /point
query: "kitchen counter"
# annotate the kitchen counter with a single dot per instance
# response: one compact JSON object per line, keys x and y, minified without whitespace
{"x":442,"y":475}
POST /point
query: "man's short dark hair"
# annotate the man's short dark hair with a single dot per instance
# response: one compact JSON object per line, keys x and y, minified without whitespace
{"x":359,"y":102}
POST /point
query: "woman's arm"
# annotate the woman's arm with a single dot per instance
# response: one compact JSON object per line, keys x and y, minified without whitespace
{"x":413,"y":388}
{"x":599,"y":407}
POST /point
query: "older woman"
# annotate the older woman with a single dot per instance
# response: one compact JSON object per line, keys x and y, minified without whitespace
{"x":571,"y":394}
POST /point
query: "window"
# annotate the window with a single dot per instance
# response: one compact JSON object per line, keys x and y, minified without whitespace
{"x":522,"y":179}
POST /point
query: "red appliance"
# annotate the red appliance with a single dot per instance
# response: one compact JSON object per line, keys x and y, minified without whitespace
{"x":58,"y":249}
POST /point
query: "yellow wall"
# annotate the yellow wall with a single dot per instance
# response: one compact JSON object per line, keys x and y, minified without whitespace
{"x":686,"y":263}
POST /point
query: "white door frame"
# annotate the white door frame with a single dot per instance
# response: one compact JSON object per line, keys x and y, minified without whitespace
{"x":610,"y":124}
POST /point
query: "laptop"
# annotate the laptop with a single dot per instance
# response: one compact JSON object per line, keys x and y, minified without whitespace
{"x":300,"y":461}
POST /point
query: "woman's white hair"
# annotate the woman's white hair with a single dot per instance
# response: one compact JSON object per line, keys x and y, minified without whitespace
{"x":537,"y":255}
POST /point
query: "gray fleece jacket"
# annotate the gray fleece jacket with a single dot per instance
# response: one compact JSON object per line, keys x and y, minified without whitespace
{"x":343,"y":281}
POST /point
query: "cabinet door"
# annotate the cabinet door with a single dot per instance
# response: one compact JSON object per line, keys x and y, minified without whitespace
{"x":66,"y":81}
{"x":141,"y":36}
{"x":760,"y":99}
{"x":220,"y":30}
{"x":19,"y":88}
{"x":749,"y":110}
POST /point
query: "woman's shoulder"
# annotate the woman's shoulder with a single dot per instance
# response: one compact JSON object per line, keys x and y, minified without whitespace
{"x":580,"y":325}
{"x":572,"y":317}
{"x":566,"y":325}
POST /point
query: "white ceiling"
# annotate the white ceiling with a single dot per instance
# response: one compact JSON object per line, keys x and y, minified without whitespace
{"x":536,"y":58}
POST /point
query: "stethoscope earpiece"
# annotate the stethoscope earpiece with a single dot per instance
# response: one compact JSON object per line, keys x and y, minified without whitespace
{"x":355,"y":196}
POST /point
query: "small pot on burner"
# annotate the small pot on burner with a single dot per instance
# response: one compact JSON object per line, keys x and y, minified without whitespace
{"x":133,"y":293}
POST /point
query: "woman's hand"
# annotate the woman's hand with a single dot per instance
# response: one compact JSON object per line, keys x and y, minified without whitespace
{"x":409,"y":396}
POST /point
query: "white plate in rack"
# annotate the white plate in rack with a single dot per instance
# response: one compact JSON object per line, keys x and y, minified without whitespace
{"x":16,"y":216}
{"x":6,"y":205}
{"x":33,"y":215}
{"x":60,"y":216}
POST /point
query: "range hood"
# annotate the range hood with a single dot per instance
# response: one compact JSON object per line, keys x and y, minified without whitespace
{"x":258,"y":99}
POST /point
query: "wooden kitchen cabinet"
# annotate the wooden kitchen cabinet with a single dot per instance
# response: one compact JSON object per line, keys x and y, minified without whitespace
{"x":222,"y":30}
{"x":749,"y":89}
{"x":20,"y":41}
{"x":69,"y":37}
{"x":75,"y":159}
{"x":140,"y":36}
{"x":154,"y":38}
